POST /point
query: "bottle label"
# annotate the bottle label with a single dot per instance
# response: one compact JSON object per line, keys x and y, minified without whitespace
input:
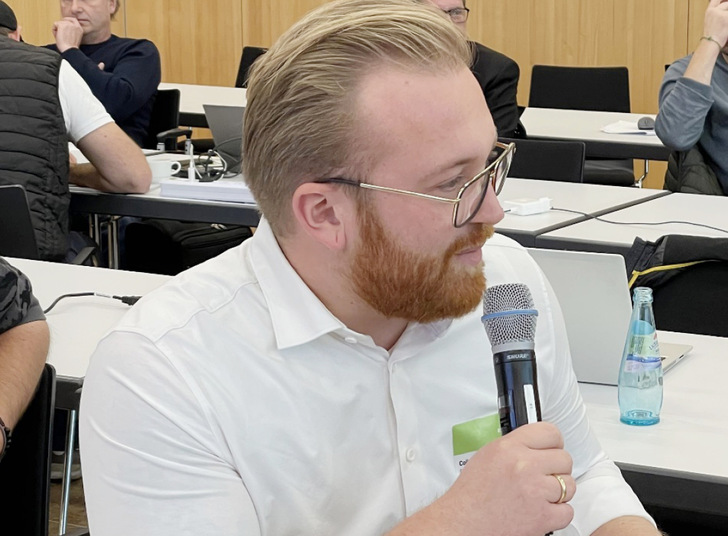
{"x":644,"y":345}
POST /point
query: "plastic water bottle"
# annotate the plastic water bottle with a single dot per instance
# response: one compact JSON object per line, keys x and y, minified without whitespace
{"x":640,"y":374}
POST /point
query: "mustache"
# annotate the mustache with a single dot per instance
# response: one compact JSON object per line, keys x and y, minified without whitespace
{"x":476,"y":238}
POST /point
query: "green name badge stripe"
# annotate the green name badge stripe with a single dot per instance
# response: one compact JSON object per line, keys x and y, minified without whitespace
{"x":470,"y":436}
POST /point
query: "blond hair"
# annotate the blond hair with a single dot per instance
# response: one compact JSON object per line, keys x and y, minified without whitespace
{"x":300,"y":120}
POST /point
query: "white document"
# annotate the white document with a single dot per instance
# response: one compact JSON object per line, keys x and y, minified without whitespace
{"x":232,"y":190}
{"x":626,"y":127}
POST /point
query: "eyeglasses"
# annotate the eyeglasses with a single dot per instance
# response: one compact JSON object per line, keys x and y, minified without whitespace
{"x":470,"y":197}
{"x":458,"y":14}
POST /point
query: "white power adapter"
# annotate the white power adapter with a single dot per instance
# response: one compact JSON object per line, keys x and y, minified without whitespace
{"x":527,"y":206}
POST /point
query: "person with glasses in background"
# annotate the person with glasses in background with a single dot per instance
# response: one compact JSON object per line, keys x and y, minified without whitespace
{"x":497,"y":74}
{"x":311,"y":380}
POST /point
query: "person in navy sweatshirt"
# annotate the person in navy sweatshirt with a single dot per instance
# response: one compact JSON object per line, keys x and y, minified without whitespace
{"x":122,"y":73}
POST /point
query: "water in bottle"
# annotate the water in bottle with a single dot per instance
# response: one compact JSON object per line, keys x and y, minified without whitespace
{"x":640,"y":374}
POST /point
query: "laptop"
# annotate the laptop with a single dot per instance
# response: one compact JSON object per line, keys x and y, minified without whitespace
{"x":596,"y":303}
{"x":226,"y":124}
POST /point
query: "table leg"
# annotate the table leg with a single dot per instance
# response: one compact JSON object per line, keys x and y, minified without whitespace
{"x":67,"y":463}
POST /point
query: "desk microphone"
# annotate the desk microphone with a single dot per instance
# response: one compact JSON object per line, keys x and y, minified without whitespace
{"x":509,"y":318}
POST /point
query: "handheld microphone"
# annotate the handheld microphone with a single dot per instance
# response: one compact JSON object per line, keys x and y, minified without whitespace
{"x":509,"y":318}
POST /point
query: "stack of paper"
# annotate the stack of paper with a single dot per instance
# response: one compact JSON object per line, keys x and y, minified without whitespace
{"x":231,"y":190}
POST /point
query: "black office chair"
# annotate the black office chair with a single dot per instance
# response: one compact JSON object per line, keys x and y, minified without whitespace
{"x":25,"y":471}
{"x":249,"y":55}
{"x":547,"y":160}
{"x":17,"y":237}
{"x":602,"y":89}
{"x":17,"y":234}
{"x":164,"y":121}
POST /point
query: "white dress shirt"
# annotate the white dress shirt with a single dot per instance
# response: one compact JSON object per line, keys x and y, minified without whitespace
{"x":231,"y":401}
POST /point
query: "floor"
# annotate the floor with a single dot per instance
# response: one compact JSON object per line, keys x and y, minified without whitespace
{"x":76,"y":508}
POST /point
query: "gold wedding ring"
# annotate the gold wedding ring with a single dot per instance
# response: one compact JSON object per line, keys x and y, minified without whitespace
{"x":562,"y":499}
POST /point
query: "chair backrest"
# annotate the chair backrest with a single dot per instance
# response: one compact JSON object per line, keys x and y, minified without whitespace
{"x":249,"y":55}
{"x":165,"y":115}
{"x":17,"y":237}
{"x":548,"y":160}
{"x":25,"y":471}
{"x":602,"y":89}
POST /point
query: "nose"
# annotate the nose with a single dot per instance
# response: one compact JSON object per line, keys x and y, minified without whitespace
{"x":75,"y":6}
{"x":490,"y":212}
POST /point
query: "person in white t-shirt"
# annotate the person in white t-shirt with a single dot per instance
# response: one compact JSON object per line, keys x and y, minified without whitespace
{"x":44,"y":102}
{"x":331,"y":375}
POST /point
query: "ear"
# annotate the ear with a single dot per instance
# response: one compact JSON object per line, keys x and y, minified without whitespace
{"x":322,"y":211}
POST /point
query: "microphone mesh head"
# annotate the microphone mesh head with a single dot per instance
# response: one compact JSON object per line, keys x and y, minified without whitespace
{"x":509,"y":328}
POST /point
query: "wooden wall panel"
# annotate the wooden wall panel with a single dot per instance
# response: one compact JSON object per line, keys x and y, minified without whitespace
{"x":641,"y":34}
{"x":200,"y":41}
{"x":264,"y":21}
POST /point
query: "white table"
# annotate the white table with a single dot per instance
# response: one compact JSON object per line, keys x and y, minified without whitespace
{"x":680,"y":462}
{"x":76,"y":326}
{"x":579,"y":125}
{"x":193,"y":96}
{"x":591,"y":199}
{"x":594,"y":235}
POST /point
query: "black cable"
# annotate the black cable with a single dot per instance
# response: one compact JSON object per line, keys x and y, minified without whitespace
{"x":129,"y":300}
{"x":599,"y":218}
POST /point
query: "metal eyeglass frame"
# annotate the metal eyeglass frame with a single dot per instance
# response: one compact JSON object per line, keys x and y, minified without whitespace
{"x":458,"y":14}
{"x":491,"y":171}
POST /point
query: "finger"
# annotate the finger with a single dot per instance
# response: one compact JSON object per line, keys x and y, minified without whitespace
{"x":561,"y":515}
{"x":549,"y":462}
{"x":539,"y":435}
{"x":560,"y":488}
{"x":101,"y":65}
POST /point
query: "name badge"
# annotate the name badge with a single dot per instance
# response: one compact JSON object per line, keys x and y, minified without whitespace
{"x":469,"y":436}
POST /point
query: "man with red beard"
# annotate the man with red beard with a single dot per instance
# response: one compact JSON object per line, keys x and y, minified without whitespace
{"x":331,"y":375}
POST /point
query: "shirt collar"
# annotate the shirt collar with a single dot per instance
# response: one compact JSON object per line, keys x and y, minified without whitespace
{"x":297,"y":315}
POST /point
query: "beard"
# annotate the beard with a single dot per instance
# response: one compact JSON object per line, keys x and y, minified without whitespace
{"x":404,"y":284}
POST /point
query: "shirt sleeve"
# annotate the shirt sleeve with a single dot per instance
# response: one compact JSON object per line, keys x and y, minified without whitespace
{"x":17,"y":303}
{"x":82,"y":112}
{"x":684,"y":105}
{"x":132,"y":83}
{"x":161,"y":457}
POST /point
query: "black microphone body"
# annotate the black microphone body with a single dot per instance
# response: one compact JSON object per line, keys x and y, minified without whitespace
{"x":510,"y":322}
{"x":518,"y":399}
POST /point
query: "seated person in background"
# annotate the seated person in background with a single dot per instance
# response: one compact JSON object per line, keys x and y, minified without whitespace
{"x":34,"y":138}
{"x":694,"y":96}
{"x":497,"y":74}
{"x":24,"y":342}
{"x":308,"y":381}
{"x":122,"y":73}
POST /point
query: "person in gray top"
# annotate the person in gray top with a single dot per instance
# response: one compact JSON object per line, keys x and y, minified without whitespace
{"x":24,"y":341}
{"x":694,"y":96}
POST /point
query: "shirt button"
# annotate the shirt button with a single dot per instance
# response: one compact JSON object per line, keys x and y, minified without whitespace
{"x":410,"y":455}
{"x":350,"y":340}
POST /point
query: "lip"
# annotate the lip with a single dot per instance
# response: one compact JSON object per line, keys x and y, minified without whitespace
{"x":472,"y":256}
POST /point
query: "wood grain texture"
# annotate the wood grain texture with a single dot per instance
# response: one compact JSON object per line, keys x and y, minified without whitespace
{"x":200,"y":41}
{"x":640,"y":34}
